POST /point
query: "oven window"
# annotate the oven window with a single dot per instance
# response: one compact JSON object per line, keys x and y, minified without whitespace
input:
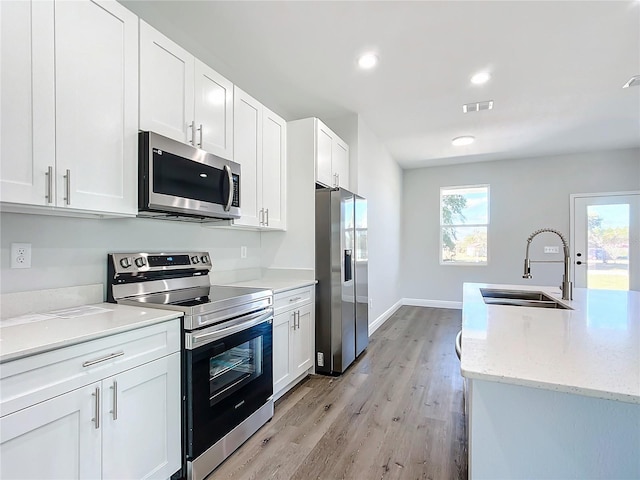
{"x":233,"y":369}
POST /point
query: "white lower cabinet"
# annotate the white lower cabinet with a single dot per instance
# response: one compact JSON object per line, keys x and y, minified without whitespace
{"x":125,"y":425}
{"x":293,"y":338}
{"x":140,"y":408}
{"x":53,"y":439}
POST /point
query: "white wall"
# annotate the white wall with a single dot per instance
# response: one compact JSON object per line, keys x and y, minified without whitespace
{"x":73,"y":251}
{"x":525,"y":195}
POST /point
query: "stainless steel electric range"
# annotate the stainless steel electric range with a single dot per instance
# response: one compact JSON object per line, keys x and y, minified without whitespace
{"x":227,"y":355}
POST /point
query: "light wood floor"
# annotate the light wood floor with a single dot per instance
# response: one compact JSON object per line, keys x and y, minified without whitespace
{"x":397,"y":413}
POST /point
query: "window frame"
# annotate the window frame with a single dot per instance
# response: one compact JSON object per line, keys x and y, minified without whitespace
{"x":441,"y":225}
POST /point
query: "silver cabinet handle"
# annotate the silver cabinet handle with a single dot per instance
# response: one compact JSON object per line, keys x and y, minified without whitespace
{"x":115,"y":400}
{"x":267,"y":214}
{"x":261,"y":219}
{"x":67,"y":177}
{"x":295,"y":299}
{"x":96,"y":419}
{"x":459,"y":344}
{"x":200,"y":130}
{"x":192,"y":126}
{"x":49,"y":174}
{"x":230,"y":178}
{"x":298,"y":322}
{"x":88,"y":363}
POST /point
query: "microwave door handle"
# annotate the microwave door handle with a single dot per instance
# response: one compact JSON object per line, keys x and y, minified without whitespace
{"x":230,"y":178}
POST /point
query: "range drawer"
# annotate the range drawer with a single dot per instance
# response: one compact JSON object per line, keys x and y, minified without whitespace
{"x":34,"y":379}
{"x":292,"y":298}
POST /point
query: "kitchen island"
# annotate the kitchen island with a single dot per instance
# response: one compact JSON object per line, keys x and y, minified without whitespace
{"x":553,"y":393}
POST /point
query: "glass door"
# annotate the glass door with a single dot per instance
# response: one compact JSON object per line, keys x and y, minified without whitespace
{"x":606,"y":241}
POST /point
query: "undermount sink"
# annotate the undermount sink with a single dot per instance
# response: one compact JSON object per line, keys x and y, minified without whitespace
{"x":520,"y":298}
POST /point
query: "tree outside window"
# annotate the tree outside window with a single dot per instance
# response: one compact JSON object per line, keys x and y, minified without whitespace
{"x":464,"y":223}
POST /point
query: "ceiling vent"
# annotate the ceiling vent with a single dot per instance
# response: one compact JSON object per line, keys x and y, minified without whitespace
{"x":477,"y":106}
{"x":633,"y":82}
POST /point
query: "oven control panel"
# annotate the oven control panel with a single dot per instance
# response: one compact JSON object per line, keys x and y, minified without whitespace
{"x":132,"y":263}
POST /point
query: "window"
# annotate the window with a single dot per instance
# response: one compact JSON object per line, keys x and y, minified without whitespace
{"x":464,"y":223}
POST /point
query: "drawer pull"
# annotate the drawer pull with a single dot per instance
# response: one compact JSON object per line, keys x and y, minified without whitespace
{"x":295,"y":299}
{"x":103,"y":359}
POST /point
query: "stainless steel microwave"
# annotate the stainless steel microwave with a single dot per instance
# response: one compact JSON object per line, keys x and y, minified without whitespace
{"x":181,"y":182}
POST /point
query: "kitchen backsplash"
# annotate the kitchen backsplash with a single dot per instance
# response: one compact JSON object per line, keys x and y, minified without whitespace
{"x":73,"y":251}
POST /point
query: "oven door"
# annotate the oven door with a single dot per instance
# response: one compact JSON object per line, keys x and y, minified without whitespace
{"x":179,"y":178}
{"x":229,"y":376}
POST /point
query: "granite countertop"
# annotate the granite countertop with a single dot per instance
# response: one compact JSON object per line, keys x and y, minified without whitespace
{"x":278,"y":285}
{"x":37,"y":333}
{"x":592,"y":350}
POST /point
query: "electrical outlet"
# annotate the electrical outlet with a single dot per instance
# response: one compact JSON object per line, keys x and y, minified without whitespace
{"x":243,"y":252}
{"x":555,"y":249}
{"x":20,"y":255}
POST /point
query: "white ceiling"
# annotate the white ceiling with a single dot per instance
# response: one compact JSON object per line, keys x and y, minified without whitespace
{"x":557,"y":68}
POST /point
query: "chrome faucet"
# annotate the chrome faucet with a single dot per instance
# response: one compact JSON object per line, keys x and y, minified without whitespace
{"x":567,"y":286}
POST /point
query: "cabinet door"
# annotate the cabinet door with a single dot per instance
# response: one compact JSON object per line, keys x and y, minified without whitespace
{"x":274,"y":164}
{"x":57,"y":438}
{"x":213,"y":111}
{"x":247,"y":133}
{"x":96,"y":51}
{"x":141,"y":417}
{"x":166,"y":86}
{"x":282,"y":353}
{"x":302,"y":344}
{"x":324,"y":139}
{"x":27,"y":128}
{"x":340,"y":162}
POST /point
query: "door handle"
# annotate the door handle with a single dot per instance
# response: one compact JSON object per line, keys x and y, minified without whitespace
{"x":192,"y":126}
{"x":67,"y":178}
{"x":267,"y":215}
{"x":200,"y":130}
{"x":49,"y":174}
{"x":114,"y":387}
{"x":96,"y":419}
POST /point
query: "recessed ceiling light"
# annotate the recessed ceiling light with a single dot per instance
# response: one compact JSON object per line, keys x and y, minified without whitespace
{"x":368,"y":60}
{"x":465,"y":140}
{"x":633,"y":82}
{"x":480,"y":78}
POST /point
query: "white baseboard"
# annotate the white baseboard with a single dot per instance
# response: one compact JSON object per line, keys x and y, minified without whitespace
{"x":423,"y":302}
{"x":377,"y":323}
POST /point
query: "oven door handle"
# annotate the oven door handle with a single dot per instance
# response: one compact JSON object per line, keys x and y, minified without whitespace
{"x":197,"y":339}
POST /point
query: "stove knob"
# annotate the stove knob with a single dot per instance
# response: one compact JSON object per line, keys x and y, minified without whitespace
{"x":140,"y":262}
{"x":204,"y":259}
{"x":195,"y":259}
{"x":125,"y":262}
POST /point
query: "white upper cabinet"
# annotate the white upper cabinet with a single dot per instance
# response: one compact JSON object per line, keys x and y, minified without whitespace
{"x":166,"y":86}
{"x":213,"y":111}
{"x":260,"y":148}
{"x":340,"y":162}
{"x":96,"y":106}
{"x":181,"y":97}
{"x":69,"y":106}
{"x":330,"y":154}
{"x":27,"y":123}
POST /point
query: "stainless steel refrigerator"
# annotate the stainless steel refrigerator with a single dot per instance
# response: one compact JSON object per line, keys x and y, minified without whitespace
{"x":342,"y":314}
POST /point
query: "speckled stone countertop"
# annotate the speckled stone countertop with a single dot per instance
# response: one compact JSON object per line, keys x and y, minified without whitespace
{"x":37,"y":333}
{"x":278,"y":285}
{"x":592,"y":350}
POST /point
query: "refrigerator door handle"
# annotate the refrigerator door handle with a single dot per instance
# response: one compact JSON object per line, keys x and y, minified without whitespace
{"x":348,"y":274}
